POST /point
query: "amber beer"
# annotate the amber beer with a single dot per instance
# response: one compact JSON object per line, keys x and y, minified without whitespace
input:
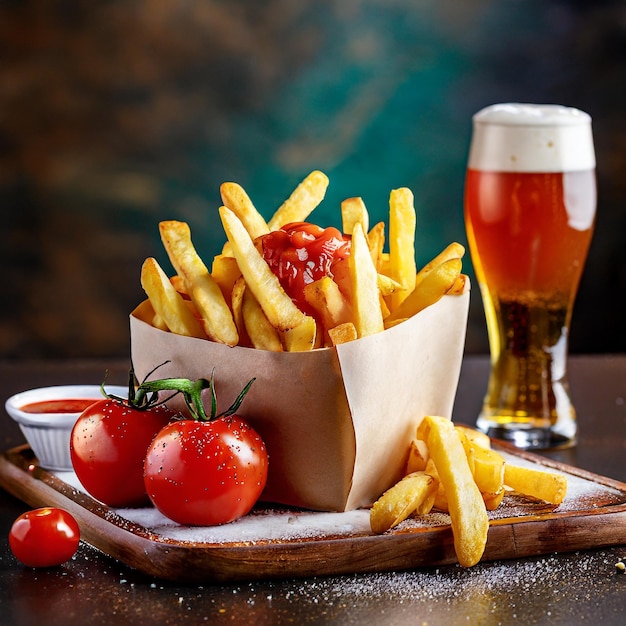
{"x":530,"y":204}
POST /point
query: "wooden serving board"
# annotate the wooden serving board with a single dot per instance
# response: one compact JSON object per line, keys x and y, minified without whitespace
{"x":284,"y":543}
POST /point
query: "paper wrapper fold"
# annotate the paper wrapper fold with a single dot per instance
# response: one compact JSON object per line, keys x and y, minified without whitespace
{"x":337,"y":422}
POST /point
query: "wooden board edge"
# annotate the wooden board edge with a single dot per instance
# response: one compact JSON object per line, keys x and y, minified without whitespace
{"x":225,"y":563}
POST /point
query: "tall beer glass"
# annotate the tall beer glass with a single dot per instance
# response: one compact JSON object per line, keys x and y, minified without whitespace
{"x":530,"y":205}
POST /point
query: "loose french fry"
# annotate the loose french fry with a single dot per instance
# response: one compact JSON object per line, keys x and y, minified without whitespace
{"x":466,"y":448}
{"x":418,"y":456}
{"x":301,"y":203}
{"x":432,"y":288}
{"x":342,"y":333}
{"x":279,"y":308}
{"x":401,"y":500}
{"x":546,"y":486}
{"x":493,"y":500}
{"x":353,"y":210}
{"x":402,"y":221}
{"x":263,"y":335}
{"x":486,"y":464}
{"x":368,"y":318}
{"x":205,"y":293}
{"x":167,"y":303}
{"x":465,"y":503}
{"x":237,"y":200}
{"x":440,"y":501}
{"x":475,"y":436}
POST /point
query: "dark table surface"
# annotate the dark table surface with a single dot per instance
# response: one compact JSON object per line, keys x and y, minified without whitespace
{"x":576,"y":588}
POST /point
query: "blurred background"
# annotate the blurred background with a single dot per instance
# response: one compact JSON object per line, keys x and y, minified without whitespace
{"x":115,"y":115}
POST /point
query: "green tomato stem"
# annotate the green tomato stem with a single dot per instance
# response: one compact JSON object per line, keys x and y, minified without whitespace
{"x":237,"y":403}
{"x":192,"y":393}
{"x":146,"y":394}
{"x":191,"y":390}
{"x":138,"y":397}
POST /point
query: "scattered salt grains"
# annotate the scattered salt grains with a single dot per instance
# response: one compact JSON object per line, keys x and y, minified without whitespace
{"x":260,"y":525}
{"x":487,"y":585}
{"x":280,"y":524}
{"x":273,"y":525}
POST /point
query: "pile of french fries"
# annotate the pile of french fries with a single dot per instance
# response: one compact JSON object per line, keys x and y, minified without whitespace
{"x":239,"y":300}
{"x":453,"y":468}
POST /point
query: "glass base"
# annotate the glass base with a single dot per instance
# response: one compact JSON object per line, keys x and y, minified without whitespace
{"x":525,"y":438}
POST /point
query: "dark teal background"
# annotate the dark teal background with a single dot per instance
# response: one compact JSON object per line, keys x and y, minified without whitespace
{"x":116,"y":115}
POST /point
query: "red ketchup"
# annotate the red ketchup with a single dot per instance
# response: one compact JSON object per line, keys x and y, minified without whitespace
{"x":63,"y":405}
{"x":301,"y":253}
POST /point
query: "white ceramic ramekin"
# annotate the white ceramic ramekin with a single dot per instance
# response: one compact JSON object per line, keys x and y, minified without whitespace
{"x":48,"y":434}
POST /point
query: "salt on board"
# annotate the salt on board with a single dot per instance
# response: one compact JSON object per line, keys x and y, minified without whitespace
{"x":279,"y":524}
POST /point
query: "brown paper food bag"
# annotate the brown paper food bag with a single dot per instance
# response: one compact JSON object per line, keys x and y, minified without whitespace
{"x":337,"y":422}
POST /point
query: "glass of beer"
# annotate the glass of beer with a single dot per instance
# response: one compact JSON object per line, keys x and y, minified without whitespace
{"x":530,"y":206}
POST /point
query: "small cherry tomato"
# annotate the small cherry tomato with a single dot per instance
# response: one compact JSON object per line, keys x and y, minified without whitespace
{"x":44,"y":537}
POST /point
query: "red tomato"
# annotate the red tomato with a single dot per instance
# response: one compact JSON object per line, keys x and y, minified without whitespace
{"x":44,"y":537}
{"x":108,"y":446}
{"x":301,"y":253}
{"x":206,"y":472}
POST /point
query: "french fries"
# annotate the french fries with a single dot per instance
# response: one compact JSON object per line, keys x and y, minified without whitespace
{"x":469,"y":479}
{"x":545,"y":486}
{"x":301,"y":203}
{"x":329,"y":303}
{"x":418,"y":456}
{"x":376,"y":242}
{"x":342,"y":333}
{"x":433,"y":286}
{"x":402,"y":221}
{"x":237,"y":200}
{"x":241,"y":301}
{"x":277,"y":305}
{"x":353,"y":211}
{"x":368,"y":317}
{"x":487,"y":465}
{"x":465,"y":503}
{"x":415,"y":492}
{"x":452,"y":251}
{"x":263,"y":335}
{"x":204,"y":291}
{"x":168,"y":304}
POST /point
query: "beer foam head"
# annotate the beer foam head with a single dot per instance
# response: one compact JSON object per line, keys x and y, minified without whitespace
{"x":517,"y":137}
